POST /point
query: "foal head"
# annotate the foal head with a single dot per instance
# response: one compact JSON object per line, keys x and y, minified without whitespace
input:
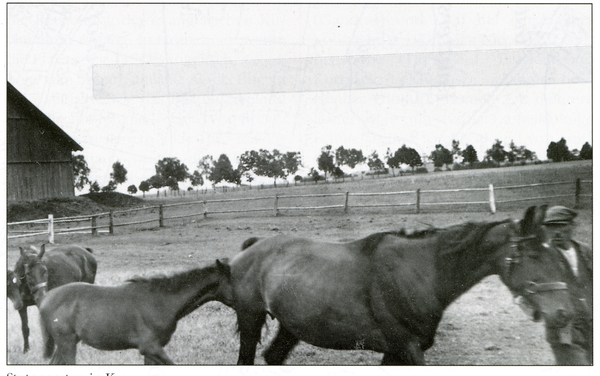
{"x":35,"y":273}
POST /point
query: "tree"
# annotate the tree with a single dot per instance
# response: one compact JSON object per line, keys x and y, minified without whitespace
{"x":586,"y":151}
{"x":171,"y":171}
{"x":292,"y":161}
{"x":338,"y":173}
{"x":348,"y":157}
{"x":144,"y":187}
{"x":469,"y":155}
{"x":519,"y":153}
{"x":497,"y":152}
{"x":80,"y":171}
{"x":441,"y":156}
{"x":196,"y":178}
{"x":558,"y":151}
{"x":374,"y":162}
{"x":132,"y":189}
{"x":325,"y":160}
{"x":205,"y":165}
{"x":409,"y":156}
{"x":223,"y":170}
{"x":119,"y":174}
{"x":455,"y":150}
{"x":94,"y":187}
{"x":156,"y":181}
{"x":110,"y":187}
{"x":315,"y":174}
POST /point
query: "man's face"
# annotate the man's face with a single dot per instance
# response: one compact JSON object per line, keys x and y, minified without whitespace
{"x":560,"y":234}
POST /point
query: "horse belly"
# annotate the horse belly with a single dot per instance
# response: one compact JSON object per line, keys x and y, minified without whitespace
{"x":107,"y":326}
{"x":349,"y":334}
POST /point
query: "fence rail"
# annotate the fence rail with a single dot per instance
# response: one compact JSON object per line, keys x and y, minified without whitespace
{"x":52,"y":226}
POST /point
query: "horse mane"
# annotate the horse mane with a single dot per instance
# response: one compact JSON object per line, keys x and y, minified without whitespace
{"x":457,"y":238}
{"x":370,"y":242}
{"x":451,"y":239}
{"x":173,"y":283}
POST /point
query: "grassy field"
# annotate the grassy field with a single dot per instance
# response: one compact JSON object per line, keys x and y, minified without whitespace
{"x":482,"y":327}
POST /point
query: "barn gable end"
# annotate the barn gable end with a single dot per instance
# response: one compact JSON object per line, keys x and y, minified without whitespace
{"x":38,"y":152}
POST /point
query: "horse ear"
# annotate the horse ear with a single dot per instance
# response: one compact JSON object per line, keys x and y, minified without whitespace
{"x":22,"y":251}
{"x":224,"y":265}
{"x":528,"y":223}
{"x":42,"y":250}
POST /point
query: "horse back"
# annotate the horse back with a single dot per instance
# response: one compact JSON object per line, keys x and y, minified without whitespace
{"x":70,"y":264}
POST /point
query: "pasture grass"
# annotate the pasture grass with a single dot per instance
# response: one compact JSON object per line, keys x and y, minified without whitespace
{"x":482,"y":327}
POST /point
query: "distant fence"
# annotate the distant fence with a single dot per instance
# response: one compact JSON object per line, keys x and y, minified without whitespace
{"x":105,"y":222}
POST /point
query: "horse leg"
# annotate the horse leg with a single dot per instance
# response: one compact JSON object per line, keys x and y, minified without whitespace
{"x":66,"y":350}
{"x":24,"y":328}
{"x":154,"y":354}
{"x":48,"y":340}
{"x":409,"y":355}
{"x":250,"y":329}
{"x":281,"y":346}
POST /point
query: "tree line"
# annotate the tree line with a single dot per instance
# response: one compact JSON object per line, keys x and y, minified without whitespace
{"x":281,"y":165}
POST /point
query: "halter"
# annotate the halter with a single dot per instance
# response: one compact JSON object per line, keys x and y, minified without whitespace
{"x":532,"y":287}
{"x":40,"y":285}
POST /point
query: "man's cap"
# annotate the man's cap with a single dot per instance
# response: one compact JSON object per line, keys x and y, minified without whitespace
{"x":560,"y":215}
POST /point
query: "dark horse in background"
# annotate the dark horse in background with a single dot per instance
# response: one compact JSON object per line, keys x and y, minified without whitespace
{"x":387,"y":292}
{"x":36,"y":272}
{"x":141,"y":314}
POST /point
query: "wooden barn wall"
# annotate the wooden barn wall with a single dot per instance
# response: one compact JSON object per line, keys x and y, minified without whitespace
{"x":38,"y":163}
{"x":32,"y":181}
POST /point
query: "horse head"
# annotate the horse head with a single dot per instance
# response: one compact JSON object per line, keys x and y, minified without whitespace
{"x":224,"y":292}
{"x":533,"y":270}
{"x":36,"y":274}
{"x":13,"y":287}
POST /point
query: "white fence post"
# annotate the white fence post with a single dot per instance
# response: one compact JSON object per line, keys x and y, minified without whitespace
{"x":50,"y":229}
{"x":492,"y":199}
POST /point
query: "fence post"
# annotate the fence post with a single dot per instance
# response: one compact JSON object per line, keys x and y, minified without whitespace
{"x":418,"y":208}
{"x":160,"y":216}
{"x":346,"y":203}
{"x":276,"y":210}
{"x":492,"y":199}
{"x":50,"y":228}
{"x":205,"y":209}
{"x":94,"y":224}
{"x":111,"y":229}
{"x":577,"y":192}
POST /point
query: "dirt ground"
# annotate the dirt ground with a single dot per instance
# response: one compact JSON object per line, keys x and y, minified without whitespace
{"x":482,"y":327}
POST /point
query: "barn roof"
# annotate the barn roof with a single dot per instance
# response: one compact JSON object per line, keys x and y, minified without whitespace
{"x":18,"y":100}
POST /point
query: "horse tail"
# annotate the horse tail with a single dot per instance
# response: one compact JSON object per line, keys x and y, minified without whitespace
{"x":249,"y":242}
{"x":48,"y":339}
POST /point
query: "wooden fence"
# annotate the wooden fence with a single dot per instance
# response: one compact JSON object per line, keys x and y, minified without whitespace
{"x":105,"y":222}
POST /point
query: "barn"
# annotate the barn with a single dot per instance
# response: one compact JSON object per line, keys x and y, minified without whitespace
{"x":38,"y":153}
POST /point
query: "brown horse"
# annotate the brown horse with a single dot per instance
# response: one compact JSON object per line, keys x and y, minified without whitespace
{"x":141,"y":314}
{"x":36,"y":272}
{"x":386,"y":292}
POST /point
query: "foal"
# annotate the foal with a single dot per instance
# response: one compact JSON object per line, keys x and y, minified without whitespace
{"x":141,"y":314}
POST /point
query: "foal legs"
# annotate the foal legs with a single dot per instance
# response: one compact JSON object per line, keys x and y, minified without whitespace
{"x":281,"y":346}
{"x":66,"y":350}
{"x":24,"y":328}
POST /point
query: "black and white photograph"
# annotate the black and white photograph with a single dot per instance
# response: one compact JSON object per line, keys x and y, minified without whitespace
{"x":298,"y":184}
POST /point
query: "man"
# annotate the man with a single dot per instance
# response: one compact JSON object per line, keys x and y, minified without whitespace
{"x":576,"y":347}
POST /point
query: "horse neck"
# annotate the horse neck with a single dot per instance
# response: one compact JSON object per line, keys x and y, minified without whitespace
{"x":461,"y":269}
{"x":198,"y":286}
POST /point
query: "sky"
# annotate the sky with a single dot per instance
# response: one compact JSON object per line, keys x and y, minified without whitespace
{"x":52,"y":51}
